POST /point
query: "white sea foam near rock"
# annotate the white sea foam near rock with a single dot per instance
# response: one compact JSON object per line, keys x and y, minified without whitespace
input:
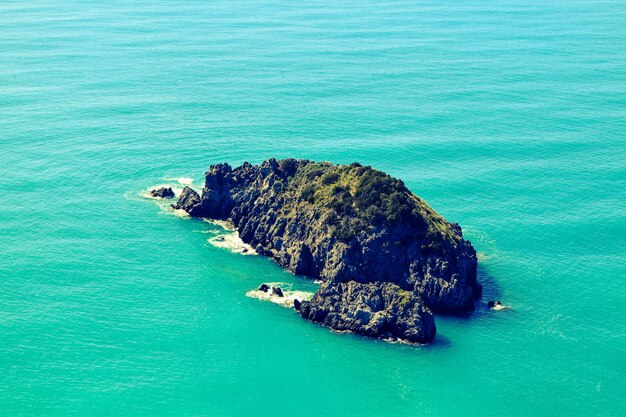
{"x":228,"y":238}
{"x":176,"y":184}
{"x":289,"y":295}
{"x":181,"y":180}
{"x":175,"y":187}
{"x":231,"y":242}
{"x":177,"y":213}
{"x":221,"y":223}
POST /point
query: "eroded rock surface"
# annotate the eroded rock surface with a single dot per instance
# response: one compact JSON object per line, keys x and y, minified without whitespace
{"x":378,"y":309}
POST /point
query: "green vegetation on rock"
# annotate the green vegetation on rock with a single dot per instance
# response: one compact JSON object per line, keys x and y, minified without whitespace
{"x":355,"y":199}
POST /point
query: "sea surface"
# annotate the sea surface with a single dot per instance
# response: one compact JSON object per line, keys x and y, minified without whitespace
{"x":508,"y":117}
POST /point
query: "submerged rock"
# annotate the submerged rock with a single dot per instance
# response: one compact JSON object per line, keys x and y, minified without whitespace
{"x":385,"y":258}
{"x":163,"y":192}
{"x":277,"y":291}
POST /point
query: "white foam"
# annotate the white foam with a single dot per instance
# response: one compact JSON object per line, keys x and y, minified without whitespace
{"x":164,"y":203}
{"x":288,"y":295}
{"x":232,"y":242}
{"x":181,"y":180}
{"x":398,"y":341}
{"x":221,"y":223}
{"x":228,"y":238}
{"x":178,"y":212}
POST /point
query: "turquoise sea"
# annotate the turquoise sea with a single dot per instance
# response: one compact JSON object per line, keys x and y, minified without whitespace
{"x":508,"y":117}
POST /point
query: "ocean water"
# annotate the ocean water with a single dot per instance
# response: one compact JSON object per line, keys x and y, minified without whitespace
{"x":508,"y":117}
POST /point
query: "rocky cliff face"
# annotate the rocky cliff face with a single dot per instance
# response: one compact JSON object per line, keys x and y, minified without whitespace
{"x":385,"y":257}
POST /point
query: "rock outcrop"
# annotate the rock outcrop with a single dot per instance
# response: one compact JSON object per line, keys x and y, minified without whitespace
{"x":189,"y":201}
{"x":385,"y":258}
{"x":378,"y":309}
{"x":163,"y":192}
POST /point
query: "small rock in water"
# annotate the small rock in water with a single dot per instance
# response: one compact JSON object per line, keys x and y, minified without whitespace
{"x":163,"y":192}
{"x":244,"y":250}
{"x":494,"y":304}
{"x":264,"y":287}
{"x":297,"y":304}
{"x":278,"y":291}
{"x":189,"y":201}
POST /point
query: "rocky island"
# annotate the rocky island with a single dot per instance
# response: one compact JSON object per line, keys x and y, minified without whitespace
{"x":386,"y":260}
